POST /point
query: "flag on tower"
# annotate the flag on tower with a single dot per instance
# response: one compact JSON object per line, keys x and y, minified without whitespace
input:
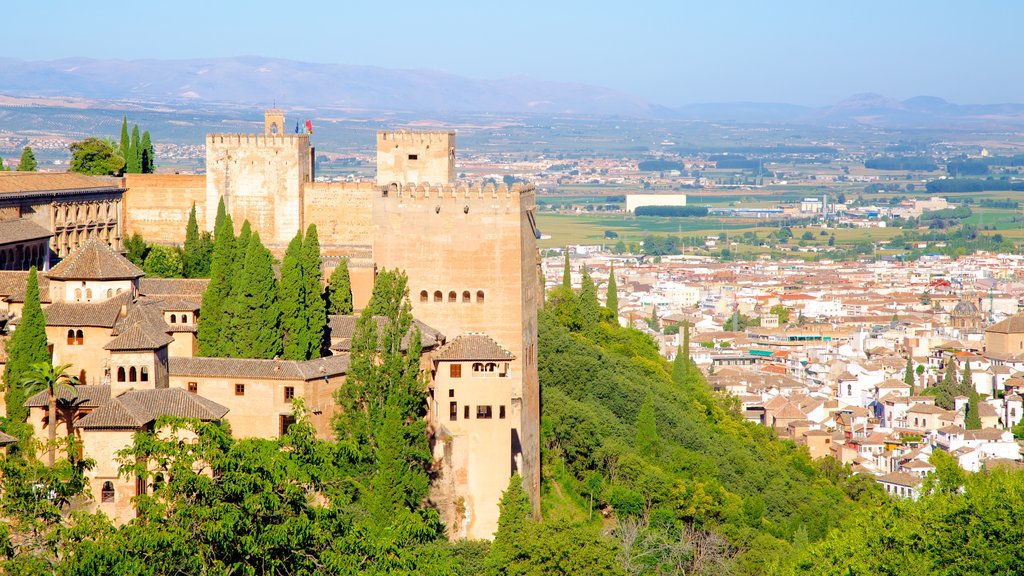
{"x":309,"y":126}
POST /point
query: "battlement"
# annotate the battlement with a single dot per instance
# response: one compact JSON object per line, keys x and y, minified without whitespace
{"x":257,"y":140}
{"x":404,"y":138}
{"x":458,"y":192}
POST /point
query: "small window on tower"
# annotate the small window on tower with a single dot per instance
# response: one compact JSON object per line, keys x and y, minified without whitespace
{"x":453,"y":411}
{"x":193,"y":387}
{"x":239,"y":389}
{"x":465,"y":412}
{"x":414,"y":156}
{"x":289,"y":393}
{"x":456,"y":371}
{"x":501,"y":411}
{"x":483,"y":412}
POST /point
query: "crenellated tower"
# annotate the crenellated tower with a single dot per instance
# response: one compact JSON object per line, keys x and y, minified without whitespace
{"x":415,"y":157}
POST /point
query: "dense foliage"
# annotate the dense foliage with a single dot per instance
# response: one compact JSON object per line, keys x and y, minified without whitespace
{"x":972,"y":185}
{"x":914,"y":163}
{"x":25,"y":348}
{"x":95,"y":157}
{"x":28,"y":160}
{"x":672,"y":211}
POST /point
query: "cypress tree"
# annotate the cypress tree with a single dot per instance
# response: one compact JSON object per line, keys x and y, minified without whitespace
{"x":515,"y":524}
{"x":219,"y":289}
{"x":134,"y":159}
{"x":27,"y":346}
{"x":236,"y":283}
{"x":566,"y":272}
{"x":908,"y":375}
{"x":190,"y":254}
{"x":967,"y":384}
{"x":588,"y":308}
{"x":972,"y":420}
{"x":255,"y":322}
{"x":147,"y":163}
{"x":292,"y":299}
{"x":28,"y":160}
{"x":647,"y":429}
{"x":125,"y":143}
{"x":315,"y":310}
{"x":612,"y":296}
{"x":339,"y":290}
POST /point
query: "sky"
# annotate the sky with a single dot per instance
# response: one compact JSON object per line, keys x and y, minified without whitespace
{"x":670,"y":52}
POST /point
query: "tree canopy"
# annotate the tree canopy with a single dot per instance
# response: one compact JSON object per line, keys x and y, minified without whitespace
{"x":95,"y":157}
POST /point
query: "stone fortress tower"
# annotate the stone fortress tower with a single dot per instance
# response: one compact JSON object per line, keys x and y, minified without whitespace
{"x":471,"y":258}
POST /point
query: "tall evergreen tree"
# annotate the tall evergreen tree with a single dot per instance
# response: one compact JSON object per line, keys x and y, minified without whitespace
{"x":339,"y":290}
{"x":125,"y":144}
{"x":686,"y":348}
{"x":134,"y":160}
{"x":3,"y":167}
{"x":566,"y":272}
{"x":612,"y":296}
{"x":315,"y":309}
{"x":647,"y":442}
{"x":293,"y":301}
{"x":190,"y":252}
{"x":972,"y":420}
{"x":255,"y":323}
{"x":26,"y":347}
{"x":28,"y":160}
{"x":219,"y":288}
{"x":147,"y":163}
{"x":967,"y":384}
{"x":908,"y":375}
{"x":948,"y":388}
{"x":515,"y":520}
{"x":588,"y":308}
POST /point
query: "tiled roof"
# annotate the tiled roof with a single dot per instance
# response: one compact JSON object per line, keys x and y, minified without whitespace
{"x":179,"y":305}
{"x":15,"y":182}
{"x":84,"y":395}
{"x":1012,"y":325}
{"x":138,"y":337}
{"x":94,"y":260}
{"x":6,"y":439}
{"x":341,"y":328}
{"x":14,"y":282}
{"x":900,"y":479}
{"x":258,"y":368}
{"x":136,"y":408}
{"x":178,"y":286}
{"x":102,"y":314}
{"x":21,"y":230}
{"x":473,"y":346}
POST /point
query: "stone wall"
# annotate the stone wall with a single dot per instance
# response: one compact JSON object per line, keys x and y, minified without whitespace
{"x":415,"y":157}
{"x":156,"y":206}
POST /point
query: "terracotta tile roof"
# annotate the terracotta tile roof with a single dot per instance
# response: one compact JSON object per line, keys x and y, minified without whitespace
{"x":21,"y":230}
{"x":84,"y":395}
{"x":341,"y":328}
{"x":473,"y":346}
{"x":136,"y":408}
{"x":178,"y":305}
{"x":14,"y":282}
{"x":138,"y":337}
{"x":178,"y":286}
{"x":900,"y":479}
{"x":20,"y":182}
{"x":94,"y":260}
{"x":1012,"y":325}
{"x":258,"y":368}
{"x":102,"y":314}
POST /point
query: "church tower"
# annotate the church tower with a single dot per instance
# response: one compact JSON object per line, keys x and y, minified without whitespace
{"x":273,"y":122}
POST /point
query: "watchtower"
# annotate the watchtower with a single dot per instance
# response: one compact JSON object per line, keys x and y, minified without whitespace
{"x":415,"y":158}
{"x":273,"y":122}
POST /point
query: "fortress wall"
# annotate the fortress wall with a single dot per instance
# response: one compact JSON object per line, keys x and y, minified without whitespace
{"x":261,"y":179}
{"x":415,"y":157}
{"x":157,"y":205}
{"x":343,"y":214}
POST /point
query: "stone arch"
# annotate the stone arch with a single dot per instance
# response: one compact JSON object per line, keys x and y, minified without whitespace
{"x":120,"y":374}
{"x":453,"y":297}
{"x":438,"y":296}
{"x":466,"y":299}
{"x":133,"y":374}
{"x":424,"y":296}
{"x":479,"y":296}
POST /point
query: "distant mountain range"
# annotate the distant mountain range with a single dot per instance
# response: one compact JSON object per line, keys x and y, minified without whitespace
{"x":258,"y":81}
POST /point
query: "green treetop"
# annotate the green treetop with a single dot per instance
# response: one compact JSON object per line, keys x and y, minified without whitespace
{"x":967,"y":384}
{"x":95,"y":157}
{"x":588,"y":308}
{"x":339,"y":290}
{"x":28,"y":161}
{"x":292,"y":299}
{"x":198,"y":249}
{"x":134,"y":160}
{"x":972,"y":420}
{"x":647,"y":442}
{"x":3,"y":167}
{"x":26,"y":347}
{"x":515,"y":522}
{"x":908,"y":375}
{"x":566,"y":272}
{"x":612,"y":296}
{"x":255,"y":323}
{"x":314,"y":308}
{"x":147,"y":160}
{"x":125,"y":144}
{"x":219,"y":288}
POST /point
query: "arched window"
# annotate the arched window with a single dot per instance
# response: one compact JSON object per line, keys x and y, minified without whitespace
{"x":118,"y":291}
{"x":424,"y":297}
{"x":144,"y":374}
{"x":107,"y":494}
{"x":81,"y":376}
{"x":79,"y":338}
{"x":479,"y":296}
{"x":490,"y":367}
{"x":466,"y":299}
{"x":78,"y":294}
{"x":478,"y":367}
{"x":849,"y":389}
{"x":174,"y":318}
{"x":184,"y":318}
{"x":120,"y":374}
{"x":438,"y":297}
{"x":71,"y":337}
{"x":132,"y":374}
{"x":110,"y":292}
{"x":88,"y":293}
{"x":453,"y":297}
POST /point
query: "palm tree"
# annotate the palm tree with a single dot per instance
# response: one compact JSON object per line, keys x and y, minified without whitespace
{"x":45,"y":376}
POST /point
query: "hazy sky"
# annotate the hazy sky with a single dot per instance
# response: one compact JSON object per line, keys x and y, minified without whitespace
{"x":805,"y":52}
